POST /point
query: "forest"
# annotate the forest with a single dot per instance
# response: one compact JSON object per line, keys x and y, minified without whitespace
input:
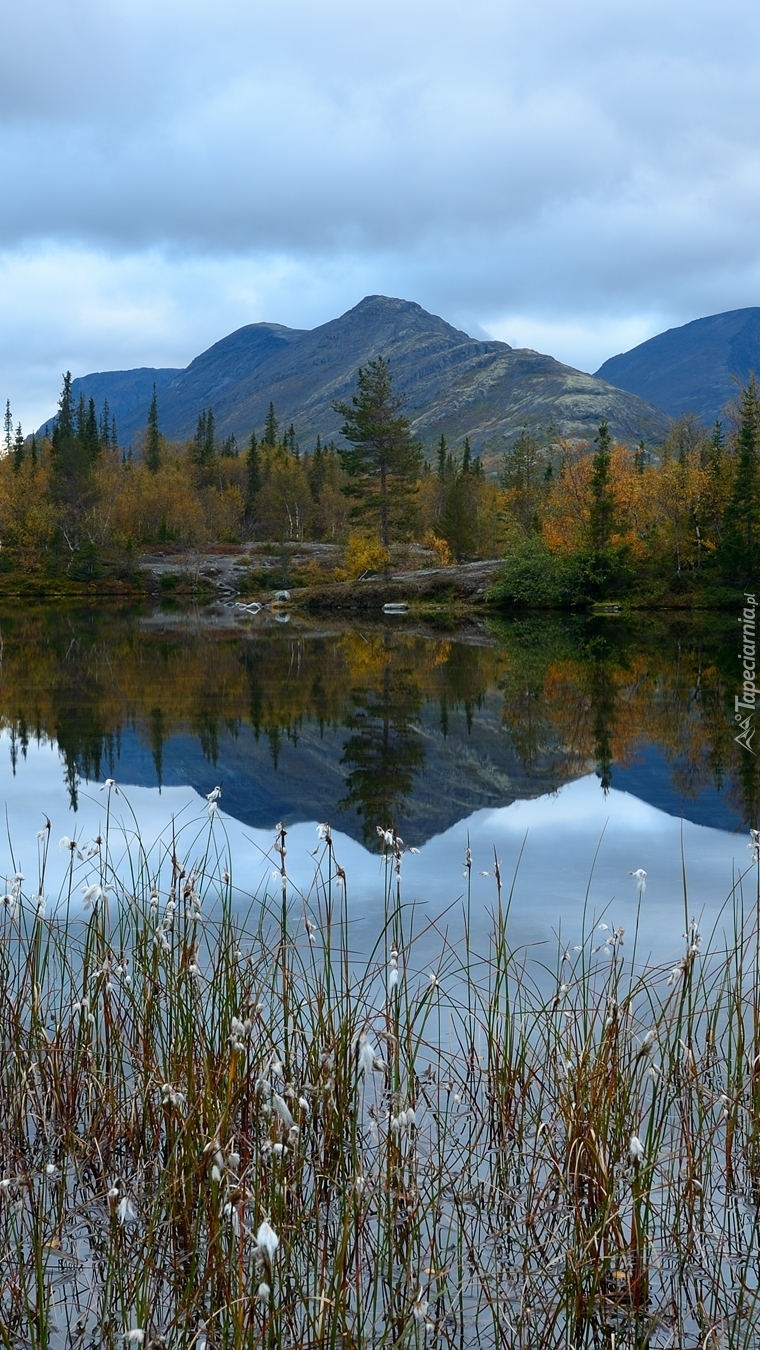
{"x":574,"y":522}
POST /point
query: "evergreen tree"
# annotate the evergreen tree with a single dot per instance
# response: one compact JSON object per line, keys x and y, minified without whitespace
{"x":252,"y":479}
{"x":33,"y":451}
{"x":442,"y":458}
{"x":71,"y":482}
{"x":64,"y":427}
{"x":114,"y":431}
{"x":8,"y":429}
{"x":383,"y":454}
{"x":317,"y":471}
{"x":91,"y":441}
{"x":18,"y":449}
{"x":210,"y":446}
{"x":740,"y":544}
{"x":466,"y":456}
{"x":229,"y":448}
{"x":153,"y":437}
{"x":523,"y":477}
{"x":81,"y":419}
{"x":715,"y":449}
{"x":204,"y":442}
{"x":270,"y":429}
{"x":602,"y":508}
{"x":292,"y":443}
{"x":105,"y":424}
{"x":458,"y":522}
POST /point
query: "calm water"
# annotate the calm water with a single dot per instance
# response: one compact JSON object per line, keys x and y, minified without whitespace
{"x":538,"y":738}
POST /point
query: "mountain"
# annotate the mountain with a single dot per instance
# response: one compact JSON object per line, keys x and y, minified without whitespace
{"x":692,"y":369}
{"x":452,"y":384}
{"x":126,"y":391}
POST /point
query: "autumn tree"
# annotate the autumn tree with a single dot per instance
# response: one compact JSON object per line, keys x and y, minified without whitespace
{"x":383,"y":460}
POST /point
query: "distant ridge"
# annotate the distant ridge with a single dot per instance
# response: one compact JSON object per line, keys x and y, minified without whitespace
{"x":453,"y":384}
{"x":692,"y":369}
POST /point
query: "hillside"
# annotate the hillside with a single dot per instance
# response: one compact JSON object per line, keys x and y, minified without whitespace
{"x":693,"y":368}
{"x":452,"y":384}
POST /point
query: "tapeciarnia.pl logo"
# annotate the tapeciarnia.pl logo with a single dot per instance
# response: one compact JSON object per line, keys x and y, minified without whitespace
{"x":745,"y":704}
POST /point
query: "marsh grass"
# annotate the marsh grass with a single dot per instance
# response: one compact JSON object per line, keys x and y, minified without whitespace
{"x":223,"y":1127}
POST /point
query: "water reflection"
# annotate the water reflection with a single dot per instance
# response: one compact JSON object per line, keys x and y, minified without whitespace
{"x":384,"y":724}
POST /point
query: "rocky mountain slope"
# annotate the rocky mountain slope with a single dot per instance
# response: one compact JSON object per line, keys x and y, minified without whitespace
{"x":693,"y":368}
{"x":452,"y":384}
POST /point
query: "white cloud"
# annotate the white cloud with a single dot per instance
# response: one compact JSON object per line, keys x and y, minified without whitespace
{"x":173,"y":170}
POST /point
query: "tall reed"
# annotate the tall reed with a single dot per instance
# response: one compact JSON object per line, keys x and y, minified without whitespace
{"x":223,"y":1126}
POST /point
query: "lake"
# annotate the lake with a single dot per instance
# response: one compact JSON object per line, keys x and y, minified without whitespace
{"x":580,"y":748}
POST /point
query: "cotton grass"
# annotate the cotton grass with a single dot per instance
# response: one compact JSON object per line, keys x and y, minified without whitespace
{"x":223,"y":1127}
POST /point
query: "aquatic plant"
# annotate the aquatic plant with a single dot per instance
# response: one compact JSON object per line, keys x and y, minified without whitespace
{"x":223,"y":1125}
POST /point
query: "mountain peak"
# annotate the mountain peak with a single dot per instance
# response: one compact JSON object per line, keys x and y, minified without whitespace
{"x":452,"y":384}
{"x":694,"y":368}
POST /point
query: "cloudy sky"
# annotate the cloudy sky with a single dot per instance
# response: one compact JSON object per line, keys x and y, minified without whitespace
{"x":571,"y":177}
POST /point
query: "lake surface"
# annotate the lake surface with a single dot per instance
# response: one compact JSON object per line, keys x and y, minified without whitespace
{"x":538,"y":738}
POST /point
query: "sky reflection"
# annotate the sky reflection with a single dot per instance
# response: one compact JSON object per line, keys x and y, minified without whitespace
{"x":559,"y":853}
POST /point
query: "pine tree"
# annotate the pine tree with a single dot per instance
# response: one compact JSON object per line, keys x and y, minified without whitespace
{"x":602,"y":509}
{"x":384,"y":455}
{"x":210,"y":446}
{"x":91,"y":436}
{"x":458,"y":522}
{"x":740,"y":546}
{"x":71,"y":482}
{"x":317,"y":470}
{"x":716,"y":445}
{"x":114,"y":431}
{"x":466,"y":456}
{"x":153,"y":437}
{"x":442,"y":458}
{"x":64,"y":426}
{"x":252,"y":479}
{"x":81,"y":420}
{"x":105,"y":424}
{"x":270,"y":429}
{"x":8,"y":429}
{"x":18,"y":448}
{"x":204,"y":443}
{"x":33,"y":451}
{"x":199,"y":439}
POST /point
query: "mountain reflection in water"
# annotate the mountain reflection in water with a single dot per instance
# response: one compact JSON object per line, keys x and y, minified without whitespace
{"x":384,"y":724}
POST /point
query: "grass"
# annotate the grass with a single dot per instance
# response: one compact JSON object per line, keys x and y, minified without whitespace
{"x":223,"y":1127}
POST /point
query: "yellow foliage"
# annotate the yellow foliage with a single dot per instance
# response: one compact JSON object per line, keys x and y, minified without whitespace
{"x":440,"y":548}
{"x":363,"y":556}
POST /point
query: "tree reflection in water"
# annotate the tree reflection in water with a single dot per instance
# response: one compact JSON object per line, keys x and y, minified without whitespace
{"x":533,"y":702}
{"x":384,"y":751}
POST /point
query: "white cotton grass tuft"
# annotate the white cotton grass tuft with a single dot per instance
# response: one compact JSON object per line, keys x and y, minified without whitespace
{"x":126,"y":1212}
{"x":641,"y":880}
{"x":267,"y":1240}
{"x":636,"y":1150}
{"x":366,"y":1054}
{"x":135,"y":1337}
{"x":283,"y":1111}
